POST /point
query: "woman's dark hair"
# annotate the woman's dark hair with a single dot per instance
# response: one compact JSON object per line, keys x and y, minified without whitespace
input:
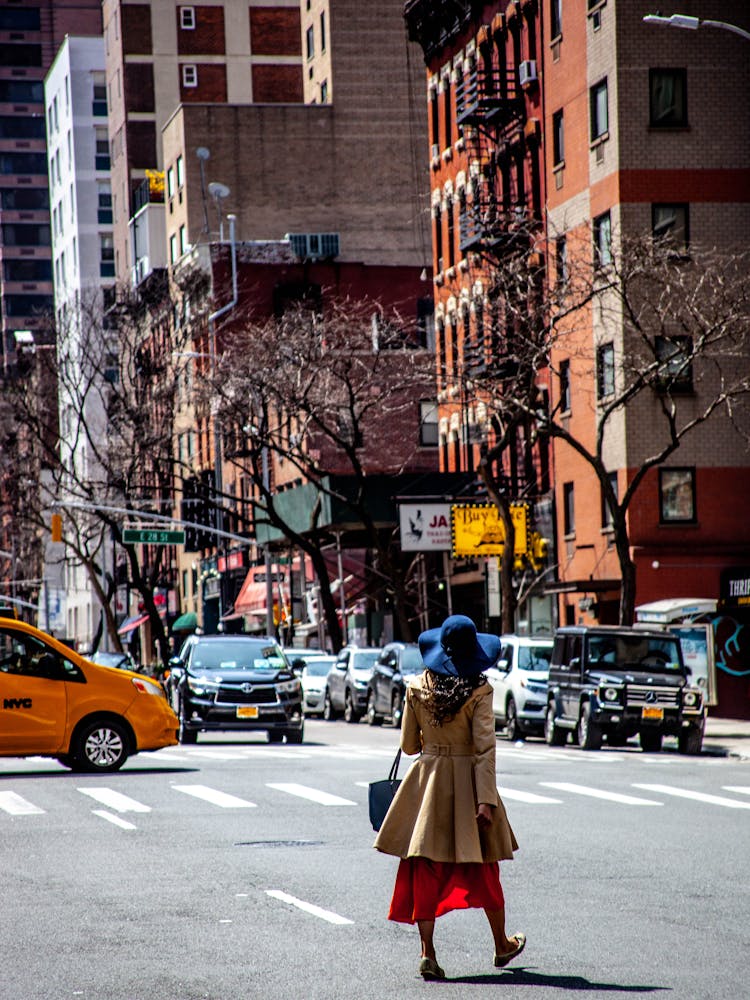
{"x":446,"y":695}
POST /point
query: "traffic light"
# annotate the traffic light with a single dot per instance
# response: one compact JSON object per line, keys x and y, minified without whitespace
{"x":538,"y":550}
{"x":56,"y":527}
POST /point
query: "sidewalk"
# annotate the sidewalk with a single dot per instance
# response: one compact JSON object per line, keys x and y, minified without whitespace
{"x":727,"y":738}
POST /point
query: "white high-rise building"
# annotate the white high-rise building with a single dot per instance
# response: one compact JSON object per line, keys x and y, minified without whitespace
{"x":83,"y":272}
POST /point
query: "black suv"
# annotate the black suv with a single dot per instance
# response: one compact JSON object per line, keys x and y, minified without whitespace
{"x":235,"y":682}
{"x":386,"y":690}
{"x":616,"y":682}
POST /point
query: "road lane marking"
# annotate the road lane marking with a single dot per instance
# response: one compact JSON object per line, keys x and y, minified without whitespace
{"x":684,"y":793}
{"x":215,"y":797}
{"x":316,"y":911}
{"x":313,"y":794}
{"x":518,"y":796}
{"x":741,"y":789}
{"x":115,"y":800}
{"x":217,"y":755}
{"x":117,"y":820}
{"x":16,"y":805}
{"x":598,"y":793}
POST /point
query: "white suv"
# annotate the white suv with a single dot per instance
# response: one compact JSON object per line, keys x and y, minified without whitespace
{"x":519,"y":680}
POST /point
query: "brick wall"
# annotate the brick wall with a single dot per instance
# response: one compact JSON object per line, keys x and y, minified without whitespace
{"x":136,"y":29}
{"x":277,"y":84}
{"x":212,"y":85}
{"x":139,"y":86}
{"x":275,"y":31}
{"x":207,"y":37}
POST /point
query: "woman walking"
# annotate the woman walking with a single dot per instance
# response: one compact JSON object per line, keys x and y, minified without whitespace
{"x":447,"y":823}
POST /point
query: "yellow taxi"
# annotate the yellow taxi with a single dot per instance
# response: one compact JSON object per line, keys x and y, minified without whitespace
{"x":55,"y":703}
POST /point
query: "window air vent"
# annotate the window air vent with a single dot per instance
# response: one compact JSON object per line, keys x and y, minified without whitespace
{"x":314,"y":246}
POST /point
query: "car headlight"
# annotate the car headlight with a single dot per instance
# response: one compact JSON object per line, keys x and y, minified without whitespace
{"x":690,"y":698}
{"x":288,"y":687}
{"x":201,"y":686}
{"x":145,"y":686}
{"x":609,"y":694}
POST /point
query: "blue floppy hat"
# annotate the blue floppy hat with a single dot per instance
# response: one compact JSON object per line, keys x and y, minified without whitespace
{"x":456,"y":649}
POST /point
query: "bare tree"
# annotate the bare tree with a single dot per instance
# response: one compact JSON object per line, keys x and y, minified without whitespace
{"x":331,"y":399}
{"x":678,"y":327}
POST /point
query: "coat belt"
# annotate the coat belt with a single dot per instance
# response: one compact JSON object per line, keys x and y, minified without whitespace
{"x":448,"y":750}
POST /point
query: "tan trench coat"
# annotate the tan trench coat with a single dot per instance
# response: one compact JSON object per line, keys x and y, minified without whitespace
{"x":434,"y":812}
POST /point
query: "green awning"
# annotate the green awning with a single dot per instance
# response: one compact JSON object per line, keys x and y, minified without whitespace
{"x":186,"y":623}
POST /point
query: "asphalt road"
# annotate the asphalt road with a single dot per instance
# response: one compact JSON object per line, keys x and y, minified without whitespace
{"x":233,"y":870}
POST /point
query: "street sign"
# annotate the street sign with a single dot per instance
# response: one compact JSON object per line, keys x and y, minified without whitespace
{"x":152,"y":536}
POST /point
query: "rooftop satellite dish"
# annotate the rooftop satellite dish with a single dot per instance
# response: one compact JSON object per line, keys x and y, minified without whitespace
{"x":202,"y":153}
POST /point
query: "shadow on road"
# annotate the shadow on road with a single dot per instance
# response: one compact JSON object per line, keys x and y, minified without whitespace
{"x":527,"y":977}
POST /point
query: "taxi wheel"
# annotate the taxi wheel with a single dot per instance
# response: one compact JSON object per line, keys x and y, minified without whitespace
{"x":101,"y":746}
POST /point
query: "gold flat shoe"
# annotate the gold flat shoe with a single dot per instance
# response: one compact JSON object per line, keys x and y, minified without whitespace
{"x":502,"y":960}
{"x":429,"y":969}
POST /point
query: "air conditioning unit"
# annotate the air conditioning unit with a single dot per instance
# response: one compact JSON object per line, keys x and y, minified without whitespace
{"x":527,"y":72}
{"x":314,"y":246}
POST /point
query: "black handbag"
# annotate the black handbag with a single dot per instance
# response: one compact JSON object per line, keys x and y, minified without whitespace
{"x":381,"y":794}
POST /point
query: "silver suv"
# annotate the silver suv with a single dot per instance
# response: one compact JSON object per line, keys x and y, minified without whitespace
{"x":346,"y":684}
{"x":519,"y":680}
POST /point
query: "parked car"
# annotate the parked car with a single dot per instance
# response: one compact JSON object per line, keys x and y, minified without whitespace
{"x":616,"y":682}
{"x":397,"y":663}
{"x":233,"y":683}
{"x":55,"y":703}
{"x":519,"y":682}
{"x":313,"y":675}
{"x":346,"y":686}
{"x":122,"y":661}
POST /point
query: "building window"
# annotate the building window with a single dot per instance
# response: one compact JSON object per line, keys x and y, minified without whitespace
{"x":599,"y":110}
{"x":450,"y":209}
{"x":180,"y":172}
{"x":323,"y":31}
{"x":558,"y":139}
{"x":187,"y":18}
{"x":667,"y":90}
{"x":555,"y":18}
{"x":677,"y":496}
{"x":602,"y":240}
{"x":675,"y":357}
{"x":310,"y":42}
{"x":569,"y":510}
{"x":183,"y":240}
{"x":106,"y":256}
{"x":434,"y":122}
{"x":101,"y":158}
{"x":104,"y":206}
{"x":561,"y":261}
{"x":447,"y":111}
{"x":170,"y":182}
{"x":565,"y":387}
{"x":605,"y":370}
{"x":324,"y":92}
{"x":607,"y":518}
{"x":670,"y":225}
{"x":428,"y":423}
{"x":438,"y":241}
{"x":173,"y":248}
{"x":189,"y":75}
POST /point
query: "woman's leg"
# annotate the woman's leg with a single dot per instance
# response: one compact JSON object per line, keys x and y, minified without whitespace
{"x":503,"y":944}
{"x":426,"y":930}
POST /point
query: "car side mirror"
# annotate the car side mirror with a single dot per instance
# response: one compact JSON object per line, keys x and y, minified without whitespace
{"x":174,"y":661}
{"x":503,"y":665}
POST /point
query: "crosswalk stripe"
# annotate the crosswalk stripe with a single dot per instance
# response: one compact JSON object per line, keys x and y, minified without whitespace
{"x":685,"y":793}
{"x":215,"y":797}
{"x":115,"y":800}
{"x":740,"y":789}
{"x":316,"y":911}
{"x":217,"y":755}
{"x":313,"y":794}
{"x":519,"y":796}
{"x":598,"y":793}
{"x":16,"y":805}
{"x":116,"y":820}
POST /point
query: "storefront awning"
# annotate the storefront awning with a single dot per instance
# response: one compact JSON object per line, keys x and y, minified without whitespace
{"x":186,"y":623}
{"x":130,"y":623}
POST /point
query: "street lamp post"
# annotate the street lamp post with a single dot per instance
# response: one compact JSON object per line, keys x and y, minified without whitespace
{"x":693,"y":23}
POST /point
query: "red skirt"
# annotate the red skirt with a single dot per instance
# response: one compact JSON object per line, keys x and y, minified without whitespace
{"x":427,"y":889}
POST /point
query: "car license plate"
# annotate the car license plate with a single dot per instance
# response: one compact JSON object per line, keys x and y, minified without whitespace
{"x":247,"y":711}
{"x":652,"y":713}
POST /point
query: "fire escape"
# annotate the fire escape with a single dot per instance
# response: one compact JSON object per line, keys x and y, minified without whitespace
{"x":491,"y":108}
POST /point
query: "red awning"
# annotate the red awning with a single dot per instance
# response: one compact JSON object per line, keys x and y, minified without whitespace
{"x":251,"y":599}
{"x":130,"y":623}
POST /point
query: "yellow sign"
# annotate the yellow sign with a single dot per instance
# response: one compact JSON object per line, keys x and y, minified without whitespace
{"x":477,"y":530}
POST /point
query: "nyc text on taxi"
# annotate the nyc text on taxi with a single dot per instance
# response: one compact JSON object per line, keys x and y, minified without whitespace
{"x":55,"y":703}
